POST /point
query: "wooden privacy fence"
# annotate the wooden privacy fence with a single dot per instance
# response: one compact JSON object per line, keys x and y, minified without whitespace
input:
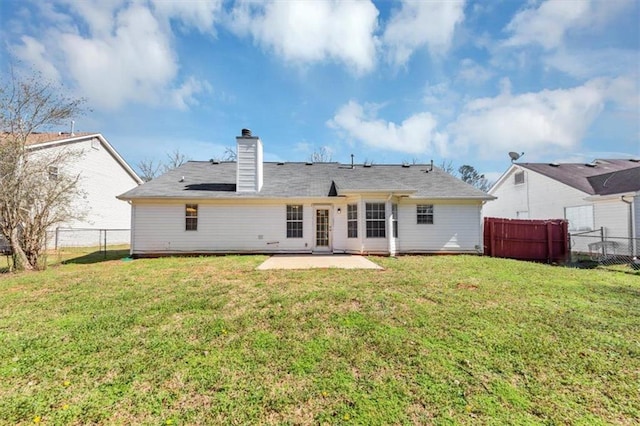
{"x":534,"y":240}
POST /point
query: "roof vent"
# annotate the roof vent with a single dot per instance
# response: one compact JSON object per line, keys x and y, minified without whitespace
{"x":554,"y":164}
{"x":406,"y":165}
{"x":280,"y":163}
{"x":635,"y":160}
{"x":214,"y":161}
{"x":366,"y":165}
{"x":590,"y":164}
{"x":246,"y":133}
{"x":309,"y":163}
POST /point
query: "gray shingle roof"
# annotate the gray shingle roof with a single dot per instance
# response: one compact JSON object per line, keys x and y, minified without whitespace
{"x":203,"y":180}
{"x":577,"y":175}
{"x":616,"y":182}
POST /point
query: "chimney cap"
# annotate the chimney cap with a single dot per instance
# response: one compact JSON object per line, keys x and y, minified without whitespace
{"x":246,"y":133}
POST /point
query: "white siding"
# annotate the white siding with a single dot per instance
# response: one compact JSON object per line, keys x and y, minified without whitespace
{"x":540,"y":196}
{"x":339,"y":227}
{"x":456,"y":228}
{"x":249,"y":161}
{"x":613,"y":216}
{"x":221,"y":228}
{"x":260,"y":227}
{"x":102,"y":178}
{"x":636,"y":213}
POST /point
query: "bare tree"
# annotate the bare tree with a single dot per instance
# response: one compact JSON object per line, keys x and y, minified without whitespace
{"x":36,"y":191}
{"x":322,"y":155}
{"x":175,"y":159}
{"x":149,"y":169}
{"x":230,"y":154}
{"x":448,"y":167}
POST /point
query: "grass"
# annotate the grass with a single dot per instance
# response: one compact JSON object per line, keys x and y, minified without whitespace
{"x":429,"y":340}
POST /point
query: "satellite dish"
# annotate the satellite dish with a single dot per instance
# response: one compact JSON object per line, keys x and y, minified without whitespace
{"x":515,"y":156}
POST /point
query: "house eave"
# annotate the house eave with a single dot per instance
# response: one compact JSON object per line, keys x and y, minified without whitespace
{"x":611,"y":196}
{"x":110,"y":149}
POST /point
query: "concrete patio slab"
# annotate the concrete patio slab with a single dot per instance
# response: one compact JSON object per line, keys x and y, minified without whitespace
{"x":311,"y":261}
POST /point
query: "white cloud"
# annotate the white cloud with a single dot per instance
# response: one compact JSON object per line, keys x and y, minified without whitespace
{"x":472,"y":72}
{"x":201,"y":14}
{"x":550,"y":119}
{"x":312,"y":31}
{"x":548,"y":23}
{"x":415,"y":135}
{"x":129,"y":65}
{"x":581,"y":63}
{"x":116,"y":52}
{"x":184,"y":95}
{"x":422,"y":23}
{"x":34,"y":53}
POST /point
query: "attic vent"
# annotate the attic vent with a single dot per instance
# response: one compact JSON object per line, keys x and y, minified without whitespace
{"x":246,"y":133}
{"x":590,"y":164}
{"x":554,"y":164}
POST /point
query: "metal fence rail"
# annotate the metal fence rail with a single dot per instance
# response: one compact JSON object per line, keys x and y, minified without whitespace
{"x":595,"y":246}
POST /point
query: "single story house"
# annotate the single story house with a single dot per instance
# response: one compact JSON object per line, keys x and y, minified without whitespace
{"x":601,"y":196}
{"x":251,"y":206}
{"x":104,"y":174}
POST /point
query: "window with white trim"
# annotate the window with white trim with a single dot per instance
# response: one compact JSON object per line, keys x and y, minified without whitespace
{"x":580,"y":218}
{"x":191,"y":217}
{"x":352,"y":221}
{"x":424,"y":214}
{"x":375,"y":215}
{"x":294,"y":220}
{"x":53,"y":172}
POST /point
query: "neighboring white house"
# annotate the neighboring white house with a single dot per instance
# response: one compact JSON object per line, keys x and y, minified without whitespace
{"x":251,"y":206}
{"x":602,"y":194}
{"x":104,"y":174}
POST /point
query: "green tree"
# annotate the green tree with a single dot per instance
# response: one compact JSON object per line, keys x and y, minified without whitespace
{"x":470,"y":175}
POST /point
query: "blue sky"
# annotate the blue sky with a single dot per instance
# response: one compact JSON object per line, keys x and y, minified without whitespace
{"x":392,"y":81}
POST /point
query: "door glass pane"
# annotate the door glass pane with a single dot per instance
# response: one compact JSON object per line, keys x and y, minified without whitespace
{"x":322,"y":228}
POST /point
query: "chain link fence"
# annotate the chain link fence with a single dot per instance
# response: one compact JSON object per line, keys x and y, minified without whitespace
{"x":87,"y":237}
{"x":597,"y":248}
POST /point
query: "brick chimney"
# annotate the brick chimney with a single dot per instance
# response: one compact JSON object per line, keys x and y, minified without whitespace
{"x":248,"y":162}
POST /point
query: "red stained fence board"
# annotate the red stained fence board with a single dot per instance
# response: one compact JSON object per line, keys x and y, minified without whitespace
{"x":534,"y":240}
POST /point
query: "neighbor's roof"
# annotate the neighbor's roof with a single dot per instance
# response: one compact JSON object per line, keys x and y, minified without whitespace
{"x":43,"y":137}
{"x":203,"y":179}
{"x":619,"y":182}
{"x":43,"y":140}
{"x":585,"y":177}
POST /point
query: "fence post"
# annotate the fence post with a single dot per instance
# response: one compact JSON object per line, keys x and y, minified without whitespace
{"x":57,"y":233}
{"x":105,"y":243}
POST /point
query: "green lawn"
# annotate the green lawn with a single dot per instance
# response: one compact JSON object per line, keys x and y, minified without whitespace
{"x":429,"y":340}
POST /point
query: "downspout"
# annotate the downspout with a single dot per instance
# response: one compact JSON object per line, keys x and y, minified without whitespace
{"x":632,"y":247}
{"x":131,"y":231}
